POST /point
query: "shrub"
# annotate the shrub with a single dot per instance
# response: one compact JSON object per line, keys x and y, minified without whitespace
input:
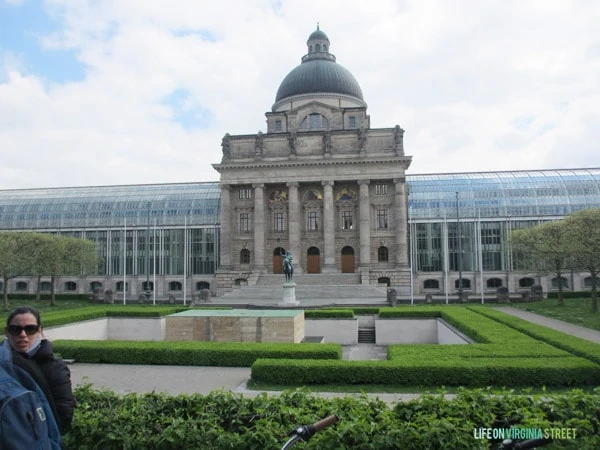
{"x":225,"y":420}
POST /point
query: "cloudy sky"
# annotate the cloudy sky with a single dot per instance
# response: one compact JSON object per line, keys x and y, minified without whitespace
{"x":99,"y":92}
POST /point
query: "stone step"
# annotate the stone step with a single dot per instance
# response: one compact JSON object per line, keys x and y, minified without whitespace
{"x":303,"y":292}
{"x":366,"y":336}
{"x":317,"y":279}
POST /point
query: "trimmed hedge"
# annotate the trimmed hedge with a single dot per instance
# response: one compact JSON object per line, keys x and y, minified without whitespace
{"x":193,"y":353}
{"x":509,"y":372}
{"x":329,"y":314}
{"x":502,"y":356}
{"x":57,"y":297}
{"x":571,"y":344}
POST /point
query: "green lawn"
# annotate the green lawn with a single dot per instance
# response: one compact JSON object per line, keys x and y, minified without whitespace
{"x":574,"y":310}
{"x":43,"y":306}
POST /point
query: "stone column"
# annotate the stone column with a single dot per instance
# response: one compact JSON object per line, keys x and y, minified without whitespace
{"x":401,"y":221}
{"x":364,"y":224}
{"x":328,"y":226}
{"x":294,"y":225}
{"x":225,"y":227}
{"x":259,"y":227}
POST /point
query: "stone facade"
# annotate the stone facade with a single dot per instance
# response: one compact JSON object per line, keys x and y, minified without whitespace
{"x":320,"y":183}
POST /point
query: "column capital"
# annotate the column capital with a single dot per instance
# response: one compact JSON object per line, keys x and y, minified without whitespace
{"x":258,"y":185}
{"x":226,"y":186}
{"x":292,"y":184}
{"x":363,"y":182}
{"x":327,"y":183}
{"x":399,"y":180}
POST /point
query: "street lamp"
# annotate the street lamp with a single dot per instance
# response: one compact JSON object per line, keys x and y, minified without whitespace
{"x":148,"y":291}
{"x":460,"y":261}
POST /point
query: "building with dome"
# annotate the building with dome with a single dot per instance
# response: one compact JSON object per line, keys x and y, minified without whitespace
{"x":319,"y":183}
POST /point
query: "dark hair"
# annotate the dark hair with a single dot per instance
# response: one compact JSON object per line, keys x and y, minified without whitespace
{"x":24,"y":310}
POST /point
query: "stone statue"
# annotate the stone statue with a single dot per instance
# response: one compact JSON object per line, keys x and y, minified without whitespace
{"x":362,"y":138}
{"x":292,"y":140}
{"x":327,"y":142}
{"x":288,"y":269}
{"x":258,"y":145}
{"x":399,"y":140}
{"x":226,"y":146}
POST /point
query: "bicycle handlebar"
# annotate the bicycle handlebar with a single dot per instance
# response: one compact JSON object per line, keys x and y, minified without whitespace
{"x":304,"y":433}
{"x":326,"y":422}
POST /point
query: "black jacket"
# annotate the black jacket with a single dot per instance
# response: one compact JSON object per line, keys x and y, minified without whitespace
{"x":54,"y":378}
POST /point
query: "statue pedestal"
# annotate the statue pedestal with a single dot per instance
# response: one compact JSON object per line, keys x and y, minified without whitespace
{"x":289,"y":294}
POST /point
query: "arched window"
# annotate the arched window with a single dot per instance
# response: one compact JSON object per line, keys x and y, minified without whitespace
{"x":383,"y":280}
{"x":466,"y":283}
{"x":565,"y":283}
{"x":174,"y":286}
{"x":493,"y":283}
{"x":245,"y":256}
{"x":95,"y":285}
{"x":382,"y":254}
{"x":241,"y":282}
{"x":317,"y":48}
{"x":21,"y":286}
{"x":431,"y":284}
{"x":202,"y":285}
{"x":119,"y":286}
{"x":526,"y":282}
{"x":314,"y":121}
{"x":587,"y":282}
{"x":70,"y":286}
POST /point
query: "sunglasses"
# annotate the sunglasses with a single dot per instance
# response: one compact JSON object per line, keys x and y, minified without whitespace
{"x":16,"y":330}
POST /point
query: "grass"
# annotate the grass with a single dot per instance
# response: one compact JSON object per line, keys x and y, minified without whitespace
{"x":574,"y":310}
{"x":42,"y":306}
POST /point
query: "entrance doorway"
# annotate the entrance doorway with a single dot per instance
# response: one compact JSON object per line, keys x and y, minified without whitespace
{"x":278,"y":260}
{"x":313,"y":260}
{"x":347,"y":260}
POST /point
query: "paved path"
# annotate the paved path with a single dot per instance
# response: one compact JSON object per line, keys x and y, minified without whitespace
{"x":175,"y":380}
{"x":559,"y":325}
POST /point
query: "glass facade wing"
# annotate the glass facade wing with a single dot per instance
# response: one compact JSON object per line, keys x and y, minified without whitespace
{"x":109,"y":206}
{"x":544,"y":193}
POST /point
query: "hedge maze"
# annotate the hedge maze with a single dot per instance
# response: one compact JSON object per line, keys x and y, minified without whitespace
{"x":508,"y":352}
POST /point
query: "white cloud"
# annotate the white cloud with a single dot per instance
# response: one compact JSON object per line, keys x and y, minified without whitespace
{"x":497,"y":85}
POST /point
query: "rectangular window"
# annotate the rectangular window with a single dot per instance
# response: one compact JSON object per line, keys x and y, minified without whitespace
{"x":312,"y":221}
{"x":278,"y":125}
{"x":278,"y":222}
{"x":382,"y":218}
{"x":346,"y":220}
{"x":381,"y":189}
{"x":245,"y":193}
{"x":245,"y":222}
{"x":352,"y":122}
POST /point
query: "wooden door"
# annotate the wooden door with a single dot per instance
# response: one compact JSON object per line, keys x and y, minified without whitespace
{"x":277,"y":264}
{"x":313,"y":260}
{"x":347,"y":260}
{"x":313,"y":264}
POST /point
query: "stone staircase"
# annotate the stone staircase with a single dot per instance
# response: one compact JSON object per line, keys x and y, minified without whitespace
{"x":316,"y":279}
{"x":366,"y":336}
{"x":315,"y":288}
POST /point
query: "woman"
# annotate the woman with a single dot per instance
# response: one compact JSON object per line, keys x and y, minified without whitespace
{"x":34,"y":354}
